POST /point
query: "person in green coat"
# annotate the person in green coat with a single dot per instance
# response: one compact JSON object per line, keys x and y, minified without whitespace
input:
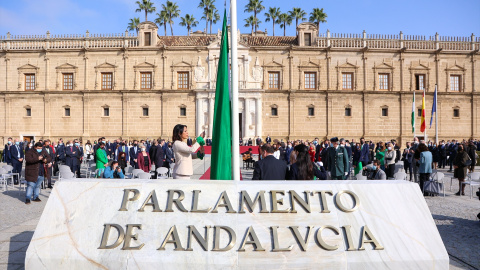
{"x":102,"y":160}
{"x":337,"y":160}
{"x":380,"y":155}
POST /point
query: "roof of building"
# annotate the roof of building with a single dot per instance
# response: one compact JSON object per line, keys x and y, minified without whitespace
{"x":185,"y":40}
{"x":206,"y":40}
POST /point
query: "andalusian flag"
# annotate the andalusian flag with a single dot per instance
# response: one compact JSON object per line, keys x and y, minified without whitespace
{"x":422,"y":125}
{"x":221,"y":168}
{"x":413,"y":113}
{"x":434,"y":106}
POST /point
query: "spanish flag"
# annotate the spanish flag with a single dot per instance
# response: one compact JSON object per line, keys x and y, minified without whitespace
{"x":422,"y":125}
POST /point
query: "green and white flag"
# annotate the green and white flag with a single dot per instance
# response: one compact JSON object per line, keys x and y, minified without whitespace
{"x":413,"y":114}
{"x":221,"y":160}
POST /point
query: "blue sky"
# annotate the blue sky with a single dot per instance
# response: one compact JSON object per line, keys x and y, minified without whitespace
{"x":413,"y":17}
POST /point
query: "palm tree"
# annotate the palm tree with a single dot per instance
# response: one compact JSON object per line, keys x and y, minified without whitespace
{"x":162,"y":19}
{"x":255,"y":6}
{"x":252,"y":21}
{"x":188,"y":21}
{"x":211,"y":16}
{"x":298,"y":14}
{"x":318,"y":16}
{"x":133,"y":24}
{"x":207,"y":6}
{"x":283,"y":20}
{"x":172,"y":11}
{"x":273,"y":14}
{"x":145,"y":5}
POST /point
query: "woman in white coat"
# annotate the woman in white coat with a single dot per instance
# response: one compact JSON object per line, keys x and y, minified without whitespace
{"x":183,"y":153}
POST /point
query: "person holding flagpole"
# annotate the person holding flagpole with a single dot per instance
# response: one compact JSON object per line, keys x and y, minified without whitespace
{"x":183,"y":153}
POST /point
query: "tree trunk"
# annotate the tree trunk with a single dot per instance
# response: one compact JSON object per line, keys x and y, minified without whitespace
{"x":165,"y":27}
{"x":210,"y":27}
{"x":145,"y":14}
{"x":171,"y":29}
{"x":255,"y":13}
{"x":284,"y":28}
{"x":188,"y":29}
{"x":273,"y":27}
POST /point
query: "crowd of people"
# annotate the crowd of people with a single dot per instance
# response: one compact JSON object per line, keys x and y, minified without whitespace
{"x":336,"y":159}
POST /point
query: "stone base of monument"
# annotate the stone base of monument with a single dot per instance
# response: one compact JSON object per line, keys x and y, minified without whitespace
{"x":170,"y":224}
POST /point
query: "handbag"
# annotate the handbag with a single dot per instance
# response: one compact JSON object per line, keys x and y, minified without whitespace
{"x":468,"y":162}
{"x":433,"y":187}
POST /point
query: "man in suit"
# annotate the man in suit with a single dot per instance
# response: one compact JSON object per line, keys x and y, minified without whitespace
{"x":72,"y":154}
{"x":268,"y":139}
{"x":269,"y":168}
{"x":109,"y":148}
{"x":7,"y":158}
{"x":337,"y":160}
{"x":258,"y":141}
{"x":152,"y":151}
{"x":16,"y":152}
{"x":49,"y":167}
{"x":133,"y":154}
{"x":169,"y":157}
{"x":364,"y":152}
{"x":159,"y":155}
{"x":208,"y":142}
{"x":122,"y":148}
{"x":189,"y":141}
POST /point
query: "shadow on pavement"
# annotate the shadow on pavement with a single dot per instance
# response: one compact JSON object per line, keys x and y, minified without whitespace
{"x":18,"y":248}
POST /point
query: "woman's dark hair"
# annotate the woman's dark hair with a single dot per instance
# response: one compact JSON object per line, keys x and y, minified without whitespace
{"x":422,"y":148}
{"x":304,"y":164}
{"x":88,"y":142}
{"x":123,"y":155}
{"x":177,"y":132}
{"x":113,"y":162}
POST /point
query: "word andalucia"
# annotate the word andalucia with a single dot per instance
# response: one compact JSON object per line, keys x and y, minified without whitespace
{"x":175,"y":197}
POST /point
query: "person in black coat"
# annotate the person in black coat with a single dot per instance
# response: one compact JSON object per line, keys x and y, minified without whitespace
{"x":17,"y":155}
{"x":269,"y":168}
{"x":268,"y":139}
{"x":48,"y":149}
{"x":303,"y":168}
{"x":134,"y":150}
{"x":158,"y":157}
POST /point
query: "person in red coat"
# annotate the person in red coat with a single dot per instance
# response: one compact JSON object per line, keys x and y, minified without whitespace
{"x":143,"y":160}
{"x":311,"y":152}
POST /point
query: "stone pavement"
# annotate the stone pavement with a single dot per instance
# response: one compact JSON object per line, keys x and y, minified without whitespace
{"x":455,"y":217}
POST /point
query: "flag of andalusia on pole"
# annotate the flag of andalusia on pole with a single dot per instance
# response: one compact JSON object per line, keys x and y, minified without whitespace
{"x":422,"y":125}
{"x":221,"y":168}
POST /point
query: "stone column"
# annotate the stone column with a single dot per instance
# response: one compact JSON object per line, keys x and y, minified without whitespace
{"x":46,"y":115}
{"x":248,"y":117}
{"x":6,"y":73}
{"x":198,"y":121}
{"x":85,"y":79}
{"x":258,"y":114}
{"x":46,"y":59}
{"x":85,"y":115}
{"x":211,"y":108}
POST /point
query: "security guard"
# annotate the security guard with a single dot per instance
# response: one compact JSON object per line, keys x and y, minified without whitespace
{"x":337,"y":160}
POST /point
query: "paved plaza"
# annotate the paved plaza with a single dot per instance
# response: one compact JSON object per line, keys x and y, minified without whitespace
{"x":455,"y":218}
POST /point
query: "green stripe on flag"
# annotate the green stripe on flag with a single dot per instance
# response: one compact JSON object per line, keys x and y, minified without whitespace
{"x":221,"y":160}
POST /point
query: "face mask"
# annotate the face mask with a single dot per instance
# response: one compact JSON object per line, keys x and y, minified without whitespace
{"x":144,"y":149}
{"x":60,"y":144}
{"x":39,"y":150}
{"x":9,"y":142}
{"x":71,"y":144}
{"x":135,"y":144}
{"x":341,"y":145}
{"x":103,"y":141}
{"x":331,"y":145}
{"x":374,"y":167}
{"x":77,"y":144}
{"x":17,"y":143}
{"x":390,"y":148}
{"x":289,"y":146}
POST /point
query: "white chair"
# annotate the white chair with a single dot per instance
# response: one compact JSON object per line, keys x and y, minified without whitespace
{"x":135,"y":172}
{"x":9,"y":171}
{"x":162,"y":173}
{"x":474,"y":180}
{"x":170,"y":171}
{"x":3,"y":178}
{"x":398,"y":168}
{"x":23,"y":182}
{"x":68,"y":175}
{"x":143,"y":175}
{"x":359,"y":176}
{"x":400,"y":176}
{"x":153,"y":167}
{"x":128,"y":172}
{"x":438,"y":176}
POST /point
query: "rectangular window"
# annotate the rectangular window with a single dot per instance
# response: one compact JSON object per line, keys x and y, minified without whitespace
{"x":384,"y":111}
{"x":456,"y":112}
{"x":67,"y":111}
{"x":106,"y":111}
{"x":274,"y":80}
{"x":107,"y":80}
{"x":455,"y":83}
{"x":67,"y":81}
{"x":419,"y":112}
{"x":348,"y":111}
{"x":384,"y":81}
{"x":146,"y":80}
{"x":145,"y":111}
{"x":182,"y":80}
{"x":310,"y":80}
{"x":347,"y":78}
{"x":311,"y":111}
{"x":307,"y":37}
{"x":28,"y":112}
{"x":147,"y":39}
{"x":183,"y":111}
{"x":274,"y":111}
{"x":29,"y":82}
{"x":419,"y":81}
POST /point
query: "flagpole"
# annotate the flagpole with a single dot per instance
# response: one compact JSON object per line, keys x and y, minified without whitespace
{"x":436,"y":118}
{"x":235,"y":120}
{"x":424,"y":105}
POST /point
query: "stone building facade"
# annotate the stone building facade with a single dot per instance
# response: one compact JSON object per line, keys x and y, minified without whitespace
{"x":298,"y":87}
